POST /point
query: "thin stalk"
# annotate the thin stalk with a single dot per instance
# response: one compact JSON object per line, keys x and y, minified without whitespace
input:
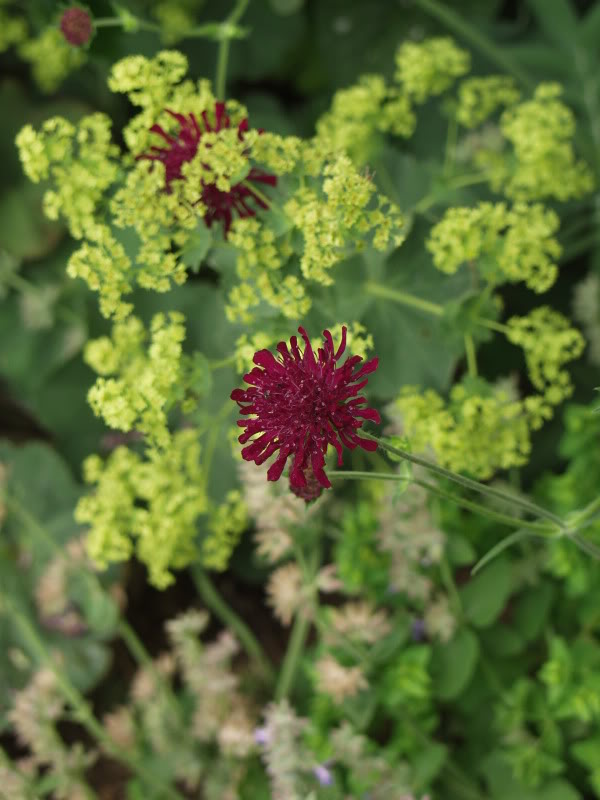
{"x":435,"y":197}
{"x":223,"y":54}
{"x":468,"y":483}
{"x":228,"y":617}
{"x":122,"y":22}
{"x":412,"y":301}
{"x":540,"y":528}
{"x":505,"y":519}
{"x":472,"y":35}
{"x":127,"y":633}
{"x":404,"y":298}
{"x":296,"y":642}
{"x":471,"y":355}
{"x":302,"y":623}
{"x":492,"y":325}
{"x":79,"y":705}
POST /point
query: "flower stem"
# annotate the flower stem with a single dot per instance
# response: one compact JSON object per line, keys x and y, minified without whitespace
{"x":505,"y":519}
{"x":80,"y":706}
{"x":228,"y":617}
{"x":472,"y":35}
{"x":302,"y":623}
{"x":468,"y":483}
{"x":471,"y":355}
{"x":404,"y":298}
{"x":223,"y":54}
{"x":292,"y":655}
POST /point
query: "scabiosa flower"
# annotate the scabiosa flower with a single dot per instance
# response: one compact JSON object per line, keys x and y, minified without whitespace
{"x":76,"y":26}
{"x":302,"y":403}
{"x":182,"y":148}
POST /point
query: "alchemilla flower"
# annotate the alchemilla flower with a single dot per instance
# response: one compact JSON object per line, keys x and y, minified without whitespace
{"x":182,"y":148}
{"x":76,"y":26}
{"x":301,"y":403}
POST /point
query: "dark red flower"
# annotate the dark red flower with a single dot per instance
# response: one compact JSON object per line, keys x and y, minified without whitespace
{"x":301,"y":404}
{"x":76,"y":26}
{"x":183,"y":147}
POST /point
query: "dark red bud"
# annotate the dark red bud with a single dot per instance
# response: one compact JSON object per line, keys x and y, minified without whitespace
{"x":76,"y":26}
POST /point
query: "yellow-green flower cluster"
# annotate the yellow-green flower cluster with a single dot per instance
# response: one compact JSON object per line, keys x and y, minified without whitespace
{"x":260,"y":261}
{"x":428,"y":68}
{"x":137,"y":387}
{"x":543,"y":162}
{"x":226,"y":524}
{"x":246,"y":346}
{"x":160,"y":221}
{"x":154,"y":84}
{"x":104,"y":265}
{"x":549,"y":342}
{"x":79,"y":159}
{"x":480,"y":97}
{"x":149,"y":507}
{"x":507,"y":243}
{"x":51,"y":58}
{"x":358,"y":341}
{"x":481,"y":428}
{"x":341,"y":218}
{"x":359,"y":112}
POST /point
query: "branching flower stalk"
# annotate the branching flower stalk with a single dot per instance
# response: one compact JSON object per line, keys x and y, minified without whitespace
{"x":81,"y":709}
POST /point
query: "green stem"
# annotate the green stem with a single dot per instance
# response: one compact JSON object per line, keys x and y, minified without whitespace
{"x":492,"y":325}
{"x":412,"y":301}
{"x":223,"y":54}
{"x":405,"y":298}
{"x":294,"y":649}
{"x":438,"y":195}
{"x":79,"y":705}
{"x":505,"y":519}
{"x":142,"y":656}
{"x":471,"y":355}
{"x":228,"y":617}
{"x":123,"y":22}
{"x":127,"y":633}
{"x":302,"y":623}
{"x":468,"y":483}
{"x":472,"y":35}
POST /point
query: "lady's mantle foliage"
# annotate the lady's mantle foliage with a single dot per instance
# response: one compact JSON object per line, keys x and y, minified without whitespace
{"x":219,"y":204}
{"x":301,"y":404}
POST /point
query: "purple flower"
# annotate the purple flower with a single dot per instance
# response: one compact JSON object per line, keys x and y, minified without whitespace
{"x":418,"y":630}
{"x":183,"y":147}
{"x":323,"y":775}
{"x":300,"y":404}
{"x":262,"y":736}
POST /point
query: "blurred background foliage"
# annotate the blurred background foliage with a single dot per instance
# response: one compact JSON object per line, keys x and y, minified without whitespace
{"x":526,"y":652}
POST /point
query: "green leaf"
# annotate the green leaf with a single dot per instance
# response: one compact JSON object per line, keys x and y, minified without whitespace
{"x":558,"y":21}
{"x":532,"y":610}
{"x":427,"y":763}
{"x":502,"y":641}
{"x":453,"y":664}
{"x":460,"y":551}
{"x":485,"y":596}
{"x":197,"y":247}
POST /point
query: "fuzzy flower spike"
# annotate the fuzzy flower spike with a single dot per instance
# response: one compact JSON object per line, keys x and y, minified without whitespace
{"x":301,"y":404}
{"x":182,"y":148}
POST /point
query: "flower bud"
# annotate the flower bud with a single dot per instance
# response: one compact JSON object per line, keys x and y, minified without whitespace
{"x":76,"y":26}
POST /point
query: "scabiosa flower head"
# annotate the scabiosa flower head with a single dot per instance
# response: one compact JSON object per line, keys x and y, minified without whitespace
{"x":76,"y":26}
{"x":302,"y":403}
{"x":182,"y":148}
